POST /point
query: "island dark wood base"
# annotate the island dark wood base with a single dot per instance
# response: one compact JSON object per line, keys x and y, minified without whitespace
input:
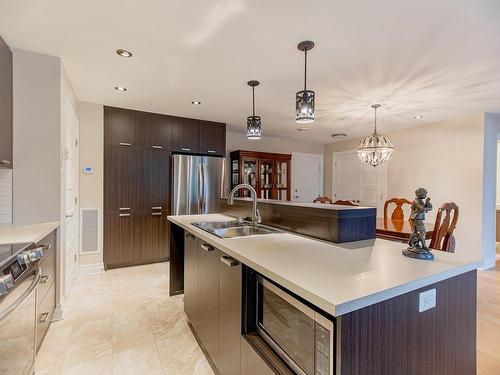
{"x":393,"y":338}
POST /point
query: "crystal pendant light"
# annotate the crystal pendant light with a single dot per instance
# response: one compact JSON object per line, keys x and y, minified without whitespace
{"x":304,"y":100}
{"x":377,"y":148}
{"x":254,"y":126}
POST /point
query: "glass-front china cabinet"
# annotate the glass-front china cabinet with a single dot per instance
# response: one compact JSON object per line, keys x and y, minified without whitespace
{"x":268,"y":173}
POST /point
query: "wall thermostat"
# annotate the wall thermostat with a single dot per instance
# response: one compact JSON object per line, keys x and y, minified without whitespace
{"x":88,"y":170}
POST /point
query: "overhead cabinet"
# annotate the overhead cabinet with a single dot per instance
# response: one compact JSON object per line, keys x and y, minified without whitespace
{"x":6,"y":109}
{"x":137,"y":163}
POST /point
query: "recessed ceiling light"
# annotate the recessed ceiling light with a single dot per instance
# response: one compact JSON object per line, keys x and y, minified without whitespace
{"x":124,"y":53}
{"x":119,"y":88}
{"x":418,"y":117}
{"x":302,"y":129}
{"x":339,"y":135}
{"x":195,"y":102}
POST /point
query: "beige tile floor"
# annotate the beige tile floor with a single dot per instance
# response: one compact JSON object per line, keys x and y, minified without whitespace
{"x":122,"y":322}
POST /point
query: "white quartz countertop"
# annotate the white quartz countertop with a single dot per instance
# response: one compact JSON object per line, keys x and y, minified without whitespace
{"x":338,"y":278}
{"x":20,"y":233}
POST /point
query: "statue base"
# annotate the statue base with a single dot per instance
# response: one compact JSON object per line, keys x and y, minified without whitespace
{"x":416,"y":253}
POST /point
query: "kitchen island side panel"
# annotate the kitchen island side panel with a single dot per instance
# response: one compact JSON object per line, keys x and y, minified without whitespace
{"x":393,"y":338}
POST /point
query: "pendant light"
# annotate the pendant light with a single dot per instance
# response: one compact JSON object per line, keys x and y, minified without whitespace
{"x":377,"y":148}
{"x":304,"y":100}
{"x":254,"y":126}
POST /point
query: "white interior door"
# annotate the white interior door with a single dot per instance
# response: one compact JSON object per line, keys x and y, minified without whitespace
{"x":355,"y":180}
{"x":307,"y":177}
{"x":70,"y":233}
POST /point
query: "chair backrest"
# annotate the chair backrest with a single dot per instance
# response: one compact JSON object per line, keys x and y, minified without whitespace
{"x":345,"y":203}
{"x":323,"y":200}
{"x":446,"y":221}
{"x":398,"y":213}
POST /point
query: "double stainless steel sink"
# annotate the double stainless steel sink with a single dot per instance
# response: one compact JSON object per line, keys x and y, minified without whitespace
{"x":234,"y":228}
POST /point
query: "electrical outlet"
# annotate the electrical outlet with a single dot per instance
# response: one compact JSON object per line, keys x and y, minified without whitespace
{"x":427,"y":300}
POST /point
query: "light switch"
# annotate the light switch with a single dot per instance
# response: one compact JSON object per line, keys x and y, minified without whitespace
{"x":427,"y":300}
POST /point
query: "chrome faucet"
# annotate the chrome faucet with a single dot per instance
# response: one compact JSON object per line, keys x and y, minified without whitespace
{"x":256,"y":218}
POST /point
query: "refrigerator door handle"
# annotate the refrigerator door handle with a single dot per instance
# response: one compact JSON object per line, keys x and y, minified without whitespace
{"x":203,"y":188}
{"x":200,"y":188}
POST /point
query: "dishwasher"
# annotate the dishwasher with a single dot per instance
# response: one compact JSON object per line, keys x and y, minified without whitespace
{"x":19,"y":280}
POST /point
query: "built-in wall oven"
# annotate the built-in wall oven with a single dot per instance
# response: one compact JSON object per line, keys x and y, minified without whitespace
{"x":301,"y":336}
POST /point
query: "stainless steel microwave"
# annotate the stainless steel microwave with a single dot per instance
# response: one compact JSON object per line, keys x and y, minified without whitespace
{"x":301,"y":336}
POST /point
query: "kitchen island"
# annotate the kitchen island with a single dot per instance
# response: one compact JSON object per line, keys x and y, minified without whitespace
{"x":372,"y":294}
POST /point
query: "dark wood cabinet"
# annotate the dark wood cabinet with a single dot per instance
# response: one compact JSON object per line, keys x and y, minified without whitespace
{"x":137,"y":160}
{"x":208,"y":299}
{"x":213,"y":139}
{"x":268,"y":173}
{"x":191,"y":252}
{"x":212,"y":302}
{"x":6,"y":109}
{"x":230,"y":300}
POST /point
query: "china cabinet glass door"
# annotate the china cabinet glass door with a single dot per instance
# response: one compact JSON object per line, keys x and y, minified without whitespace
{"x":266,"y":179}
{"x":282,"y":180}
{"x":249,"y":175}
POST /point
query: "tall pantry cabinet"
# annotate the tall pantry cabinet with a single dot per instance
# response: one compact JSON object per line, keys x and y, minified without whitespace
{"x":137,"y":173}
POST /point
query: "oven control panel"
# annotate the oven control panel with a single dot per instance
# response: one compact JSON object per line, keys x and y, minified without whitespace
{"x":16,"y":268}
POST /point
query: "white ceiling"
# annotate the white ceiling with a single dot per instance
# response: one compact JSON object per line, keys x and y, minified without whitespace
{"x":439,"y":59}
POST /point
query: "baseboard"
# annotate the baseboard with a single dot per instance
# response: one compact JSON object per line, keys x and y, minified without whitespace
{"x":90,"y":269}
{"x":489,"y":263}
{"x":58,"y":313}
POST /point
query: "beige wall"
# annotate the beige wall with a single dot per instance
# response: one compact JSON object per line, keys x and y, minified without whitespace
{"x":37,"y":134}
{"x":445,"y":158}
{"x":92,"y":154}
{"x":239,"y":141}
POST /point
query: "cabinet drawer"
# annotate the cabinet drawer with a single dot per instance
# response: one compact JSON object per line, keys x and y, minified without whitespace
{"x":48,"y":272}
{"x":44,"y":313}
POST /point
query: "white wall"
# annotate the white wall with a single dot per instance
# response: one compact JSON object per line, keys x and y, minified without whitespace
{"x":498,"y":173}
{"x":446,"y":159}
{"x":37,"y":134}
{"x":5,"y":196}
{"x":92,"y":154}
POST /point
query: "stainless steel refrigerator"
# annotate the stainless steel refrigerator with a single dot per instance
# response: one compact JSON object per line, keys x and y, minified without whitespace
{"x":197,"y":184}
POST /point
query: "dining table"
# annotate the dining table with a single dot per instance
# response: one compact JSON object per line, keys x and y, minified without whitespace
{"x":398,"y":230}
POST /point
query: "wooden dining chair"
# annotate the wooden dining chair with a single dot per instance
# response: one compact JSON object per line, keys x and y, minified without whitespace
{"x":398,"y":213}
{"x":345,"y":203}
{"x":324,"y":200}
{"x":446,"y":221}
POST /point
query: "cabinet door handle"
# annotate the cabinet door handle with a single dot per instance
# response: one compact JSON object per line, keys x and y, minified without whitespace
{"x":211,"y":151}
{"x":206,"y":247}
{"x":44,"y":279}
{"x":190,"y":236}
{"x":158,"y":147}
{"x":156,"y":214}
{"x":5,"y":162}
{"x":44,"y":317}
{"x":124,"y":215}
{"x":124,"y":208}
{"x":156,"y":208}
{"x":185,"y":149}
{"x":125,"y":144}
{"x":228,"y":261}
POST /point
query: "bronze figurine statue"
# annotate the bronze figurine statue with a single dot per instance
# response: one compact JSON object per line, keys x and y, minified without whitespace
{"x":417,"y":247}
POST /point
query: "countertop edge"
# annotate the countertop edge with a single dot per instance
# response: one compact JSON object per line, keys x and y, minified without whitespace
{"x":335,"y":310}
{"x":34,"y":234}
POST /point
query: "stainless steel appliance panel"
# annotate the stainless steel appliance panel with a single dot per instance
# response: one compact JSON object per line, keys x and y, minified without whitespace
{"x":212,"y":181}
{"x":186,"y":186}
{"x":17,"y":327}
{"x":302,"y":337}
{"x":197,"y":183}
